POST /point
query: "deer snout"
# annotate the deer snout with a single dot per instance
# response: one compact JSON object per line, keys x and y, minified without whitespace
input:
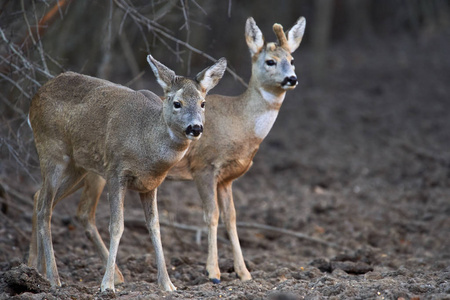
{"x":194,"y":130}
{"x":290,"y":81}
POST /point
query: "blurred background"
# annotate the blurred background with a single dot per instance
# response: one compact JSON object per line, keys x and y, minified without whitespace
{"x":111,"y":39}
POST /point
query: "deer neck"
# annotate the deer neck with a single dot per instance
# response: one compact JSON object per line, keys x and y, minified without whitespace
{"x":262,"y":106}
{"x":269,"y":98}
{"x":168,"y":136}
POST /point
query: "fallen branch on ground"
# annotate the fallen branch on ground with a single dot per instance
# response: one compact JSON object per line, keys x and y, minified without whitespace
{"x":199,"y":230}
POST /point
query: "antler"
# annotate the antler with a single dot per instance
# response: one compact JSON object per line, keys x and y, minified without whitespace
{"x":281,"y":36}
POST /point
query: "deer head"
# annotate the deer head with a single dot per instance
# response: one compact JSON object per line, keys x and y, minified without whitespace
{"x":184,"y":99}
{"x":273,"y":64}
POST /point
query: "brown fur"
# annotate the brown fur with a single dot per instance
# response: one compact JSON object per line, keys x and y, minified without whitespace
{"x":84,"y":125}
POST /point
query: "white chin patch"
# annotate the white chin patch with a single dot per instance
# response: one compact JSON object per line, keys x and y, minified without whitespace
{"x":193,"y":137}
{"x":289,"y":86}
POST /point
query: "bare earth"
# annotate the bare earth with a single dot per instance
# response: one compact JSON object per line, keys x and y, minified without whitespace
{"x":361,"y":161}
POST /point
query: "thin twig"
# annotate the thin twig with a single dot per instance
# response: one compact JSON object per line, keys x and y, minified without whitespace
{"x":415,"y":150}
{"x":139,"y":18}
{"x":137,"y":77}
{"x":22,"y":198}
{"x":13,"y":225}
{"x":12,"y":106}
{"x":26,"y":63}
{"x":40,"y":47}
{"x":287,"y":232}
{"x":199,"y":230}
{"x":13,"y":205}
{"x":16,"y":85}
{"x":17,"y":157}
{"x":20,"y":70}
{"x":199,"y":7}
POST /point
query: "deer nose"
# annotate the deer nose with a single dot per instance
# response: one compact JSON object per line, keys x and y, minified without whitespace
{"x":195,"y":130}
{"x":292,"y":80}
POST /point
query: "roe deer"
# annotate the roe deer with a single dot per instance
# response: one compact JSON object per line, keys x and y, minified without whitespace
{"x":130,"y":138}
{"x":236,"y":126}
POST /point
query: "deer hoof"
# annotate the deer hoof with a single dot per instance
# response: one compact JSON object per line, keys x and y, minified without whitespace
{"x":214,"y":280}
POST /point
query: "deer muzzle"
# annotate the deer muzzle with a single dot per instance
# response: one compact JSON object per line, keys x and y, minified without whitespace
{"x":289,"y":81}
{"x":194,"y":130}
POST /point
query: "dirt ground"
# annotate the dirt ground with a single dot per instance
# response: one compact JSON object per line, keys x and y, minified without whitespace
{"x":361,"y":162}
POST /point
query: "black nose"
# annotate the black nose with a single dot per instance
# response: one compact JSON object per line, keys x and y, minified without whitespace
{"x":194,"y":130}
{"x":291,"y":80}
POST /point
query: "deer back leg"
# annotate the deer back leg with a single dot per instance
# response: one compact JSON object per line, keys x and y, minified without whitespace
{"x":58,"y":180}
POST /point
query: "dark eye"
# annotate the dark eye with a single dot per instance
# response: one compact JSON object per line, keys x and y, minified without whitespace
{"x":292,"y":62}
{"x":176,"y":104}
{"x":202,"y":105}
{"x":271,"y":62}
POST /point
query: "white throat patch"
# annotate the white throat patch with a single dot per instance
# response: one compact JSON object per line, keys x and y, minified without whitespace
{"x":264,"y":123}
{"x":271,"y":98}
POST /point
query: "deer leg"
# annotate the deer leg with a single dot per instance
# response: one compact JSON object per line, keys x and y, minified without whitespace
{"x":32,"y":255}
{"x":206,"y":186}
{"x":149,"y":205}
{"x":225,"y":196}
{"x":116,"y":194}
{"x":60,"y":182}
{"x":45,"y":254}
{"x":93,"y":187}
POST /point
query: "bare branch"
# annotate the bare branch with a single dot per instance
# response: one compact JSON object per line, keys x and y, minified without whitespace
{"x":139,"y":18}
{"x":16,"y":85}
{"x":199,"y":230}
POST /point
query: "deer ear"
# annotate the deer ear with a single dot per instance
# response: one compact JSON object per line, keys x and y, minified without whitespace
{"x":295,"y":34}
{"x":253,"y":36}
{"x":209,"y":77}
{"x":164,"y":75}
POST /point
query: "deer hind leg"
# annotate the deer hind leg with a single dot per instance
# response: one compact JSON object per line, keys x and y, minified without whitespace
{"x":93,"y":187}
{"x":58,"y":181}
{"x":225,"y":196}
{"x":206,"y":186}
{"x":149,"y":205}
{"x":116,"y":194}
{"x":32,"y":256}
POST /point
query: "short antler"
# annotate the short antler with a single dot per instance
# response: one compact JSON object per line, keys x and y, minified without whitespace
{"x":281,"y":36}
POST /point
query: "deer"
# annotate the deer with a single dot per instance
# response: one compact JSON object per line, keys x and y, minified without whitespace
{"x":122,"y":138}
{"x":236,"y":128}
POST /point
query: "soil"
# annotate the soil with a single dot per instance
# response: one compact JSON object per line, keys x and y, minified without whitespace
{"x":360,"y":161}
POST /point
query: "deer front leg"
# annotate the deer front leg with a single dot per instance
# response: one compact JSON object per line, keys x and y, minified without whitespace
{"x":206,"y":185}
{"x":225,"y":196}
{"x":116,"y":194}
{"x":149,"y":205}
{"x":93,"y":187}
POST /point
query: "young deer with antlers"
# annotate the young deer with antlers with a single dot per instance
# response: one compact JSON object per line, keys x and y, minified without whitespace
{"x":130,"y":138}
{"x":236,"y":126}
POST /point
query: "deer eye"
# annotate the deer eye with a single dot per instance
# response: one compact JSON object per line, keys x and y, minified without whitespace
{"x":176,"y":104}
{"x":202,"y":105}
{"x":271,"y":62}
{"x":292,"y":62}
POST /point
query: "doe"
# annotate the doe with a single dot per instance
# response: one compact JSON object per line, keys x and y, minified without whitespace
{"x":130,"y":138}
